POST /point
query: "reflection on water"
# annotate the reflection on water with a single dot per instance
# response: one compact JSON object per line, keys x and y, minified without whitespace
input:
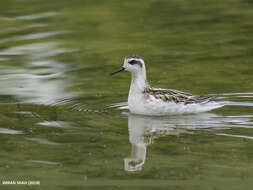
{"x":36,"y":16}
{"x":144,"y":129}
{"x":10,"y":131}
{"x":36,"y":77}
{"x":57,"y":124}
{"x":42,"y":141}
{"x":43,"y":162}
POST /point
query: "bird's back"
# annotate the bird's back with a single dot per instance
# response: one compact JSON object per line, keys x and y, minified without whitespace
{"x":170,"y":95}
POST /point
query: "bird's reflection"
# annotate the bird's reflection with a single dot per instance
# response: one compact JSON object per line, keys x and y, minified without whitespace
{"x":143,"y":130}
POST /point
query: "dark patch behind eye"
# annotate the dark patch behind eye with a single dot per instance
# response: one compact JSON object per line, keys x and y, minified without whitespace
{"x":133,"y":62}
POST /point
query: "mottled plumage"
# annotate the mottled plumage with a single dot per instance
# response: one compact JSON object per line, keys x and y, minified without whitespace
{"x":176,"y":96}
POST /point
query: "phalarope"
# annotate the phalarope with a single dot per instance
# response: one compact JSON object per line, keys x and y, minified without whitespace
{"x":147,"y":100}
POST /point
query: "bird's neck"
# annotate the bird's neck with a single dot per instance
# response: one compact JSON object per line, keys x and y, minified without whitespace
{"x":139,"y":81}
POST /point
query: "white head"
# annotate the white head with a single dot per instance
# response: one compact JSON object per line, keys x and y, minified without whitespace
{"x":134,"y":64}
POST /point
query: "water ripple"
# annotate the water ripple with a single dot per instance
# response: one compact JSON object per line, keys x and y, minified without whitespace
{"x":57,"y":124}
{"x":42,"y":141}
{"x":10,"y":131}
{"x":43,"y":162}
{"x":36,"y":16}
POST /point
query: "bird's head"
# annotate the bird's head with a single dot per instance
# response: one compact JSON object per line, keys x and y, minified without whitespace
{"x":132,"y":63}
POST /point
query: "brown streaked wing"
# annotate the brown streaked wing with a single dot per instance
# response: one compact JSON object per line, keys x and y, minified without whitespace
{"x":178,"y":96}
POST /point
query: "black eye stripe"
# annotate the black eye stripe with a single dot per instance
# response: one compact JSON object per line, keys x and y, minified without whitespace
{"x":132,"y":62}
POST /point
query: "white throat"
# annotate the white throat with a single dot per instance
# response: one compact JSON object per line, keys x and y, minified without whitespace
{"x":138,"y":81}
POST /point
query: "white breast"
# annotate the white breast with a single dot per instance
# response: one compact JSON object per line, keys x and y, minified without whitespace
{"x":136,"y":101}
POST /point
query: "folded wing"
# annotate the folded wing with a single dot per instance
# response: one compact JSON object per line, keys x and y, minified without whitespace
{"x":176,"y":96}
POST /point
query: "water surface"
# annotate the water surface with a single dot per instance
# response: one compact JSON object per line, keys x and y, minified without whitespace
{"x":57,"y":122}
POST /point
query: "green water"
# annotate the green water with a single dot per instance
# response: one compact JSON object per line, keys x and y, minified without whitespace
{"x":56,"y":124}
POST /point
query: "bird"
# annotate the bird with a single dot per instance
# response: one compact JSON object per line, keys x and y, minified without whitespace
{"x":144,"y":99}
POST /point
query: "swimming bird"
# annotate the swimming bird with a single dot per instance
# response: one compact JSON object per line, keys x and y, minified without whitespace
{"x":144,"y":99}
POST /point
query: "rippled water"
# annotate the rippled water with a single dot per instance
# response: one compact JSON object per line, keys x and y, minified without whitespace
{"x":64,"y":120}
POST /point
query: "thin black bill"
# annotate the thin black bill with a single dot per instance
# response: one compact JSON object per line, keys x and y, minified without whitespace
{"x":119,"y":70}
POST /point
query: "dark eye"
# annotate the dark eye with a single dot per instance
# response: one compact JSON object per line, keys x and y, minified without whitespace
{"x":132,"y":62}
